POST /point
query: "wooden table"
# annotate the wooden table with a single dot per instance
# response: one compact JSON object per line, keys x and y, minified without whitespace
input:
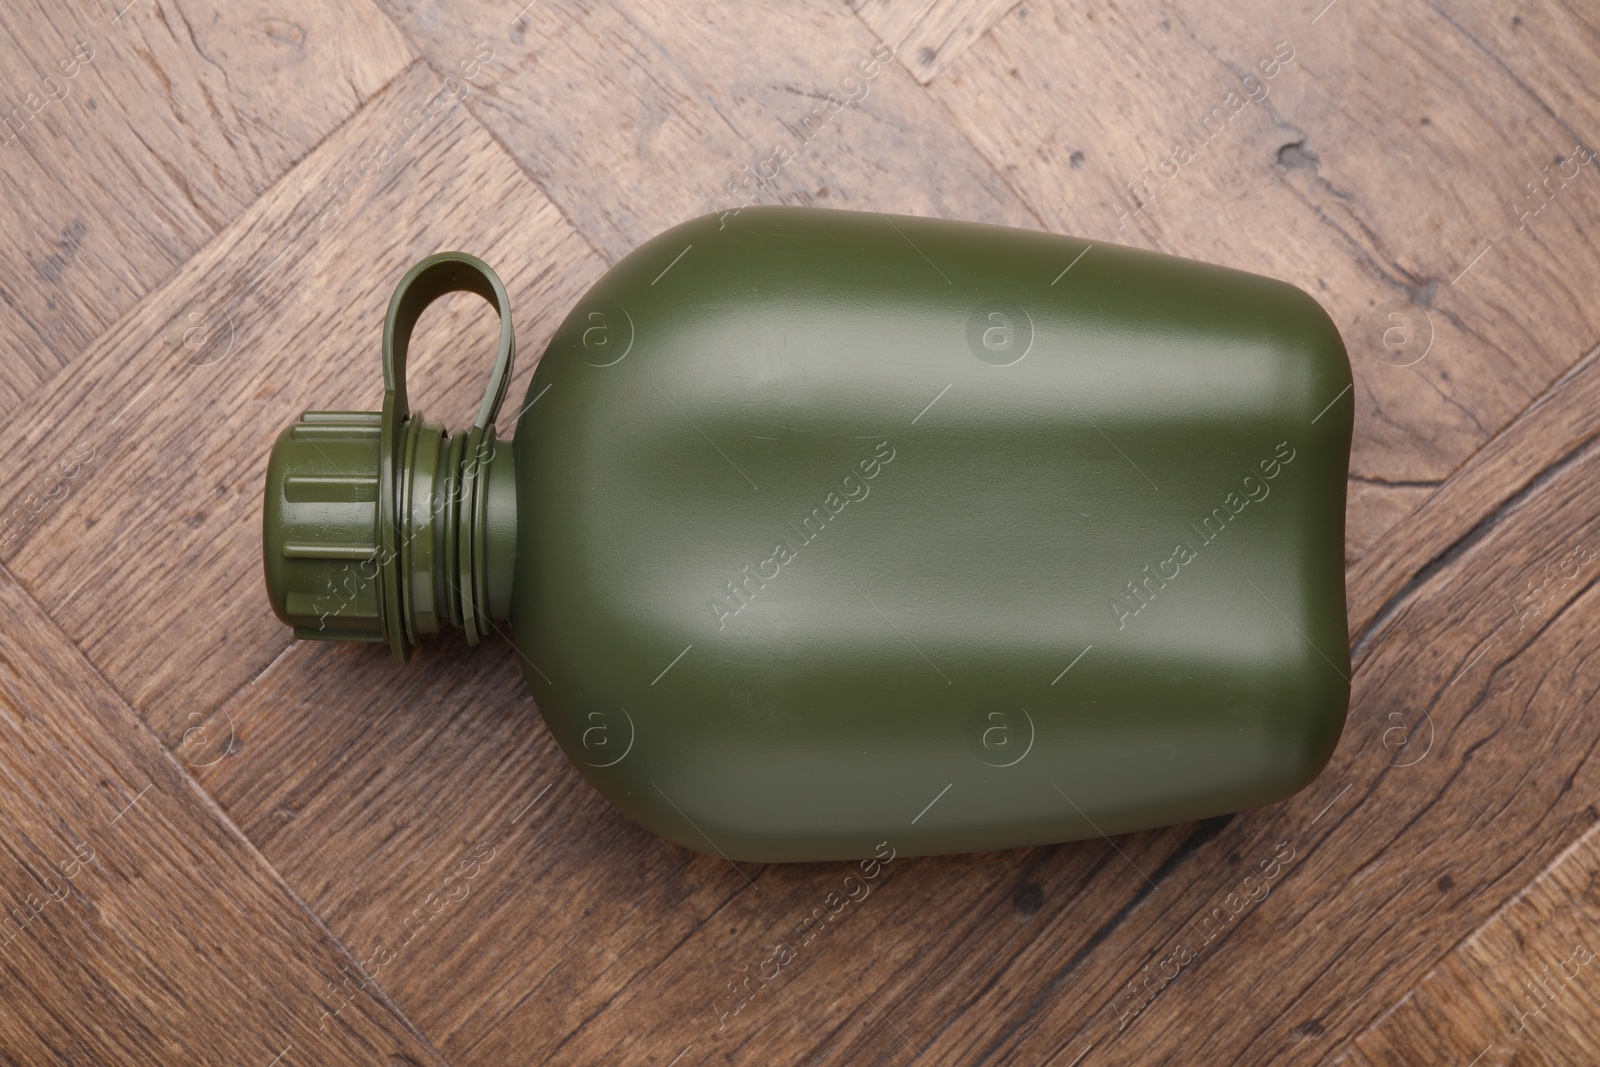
{"x":224,"y":846}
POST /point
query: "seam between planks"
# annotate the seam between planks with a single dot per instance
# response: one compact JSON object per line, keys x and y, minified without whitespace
{"x":209,"y":803}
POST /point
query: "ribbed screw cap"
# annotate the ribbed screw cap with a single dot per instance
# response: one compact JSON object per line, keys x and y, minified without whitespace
{"x":320,"y":526}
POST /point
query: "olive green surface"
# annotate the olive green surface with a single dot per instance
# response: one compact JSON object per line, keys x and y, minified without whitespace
{"x":836,"y":529}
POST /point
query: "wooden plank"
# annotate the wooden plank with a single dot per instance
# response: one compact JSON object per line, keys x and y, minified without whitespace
{"x":135,"y":517}
{"x":131,"y":133}
{"x":139,"y":925}
{"x":637,"y":118}
{"x":928,"y":36}
{"x":1391,"y":185}
{"x":1530,"y":453}
{"x":1519,"y":990}
{"x":429,"y":817}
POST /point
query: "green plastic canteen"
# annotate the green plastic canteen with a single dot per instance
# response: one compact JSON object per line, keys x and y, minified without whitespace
{"x":821,"y":530}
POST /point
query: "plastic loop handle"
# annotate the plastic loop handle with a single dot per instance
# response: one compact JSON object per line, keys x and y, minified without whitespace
{"x":444,"y":272}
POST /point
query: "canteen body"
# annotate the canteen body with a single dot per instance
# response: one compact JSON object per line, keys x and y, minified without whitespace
{"x":835,"y":529}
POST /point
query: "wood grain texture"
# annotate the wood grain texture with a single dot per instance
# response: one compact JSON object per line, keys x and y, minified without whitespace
{"x":1520,"y":990}
{"x":1388,"y":185}
{"x":1532,"y":452}
{"x":928,"y":35}
{"x":704,"y":99}
{"x":139,"y":925}
{"x":129,"y":140}
{"x":246,"y":188}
